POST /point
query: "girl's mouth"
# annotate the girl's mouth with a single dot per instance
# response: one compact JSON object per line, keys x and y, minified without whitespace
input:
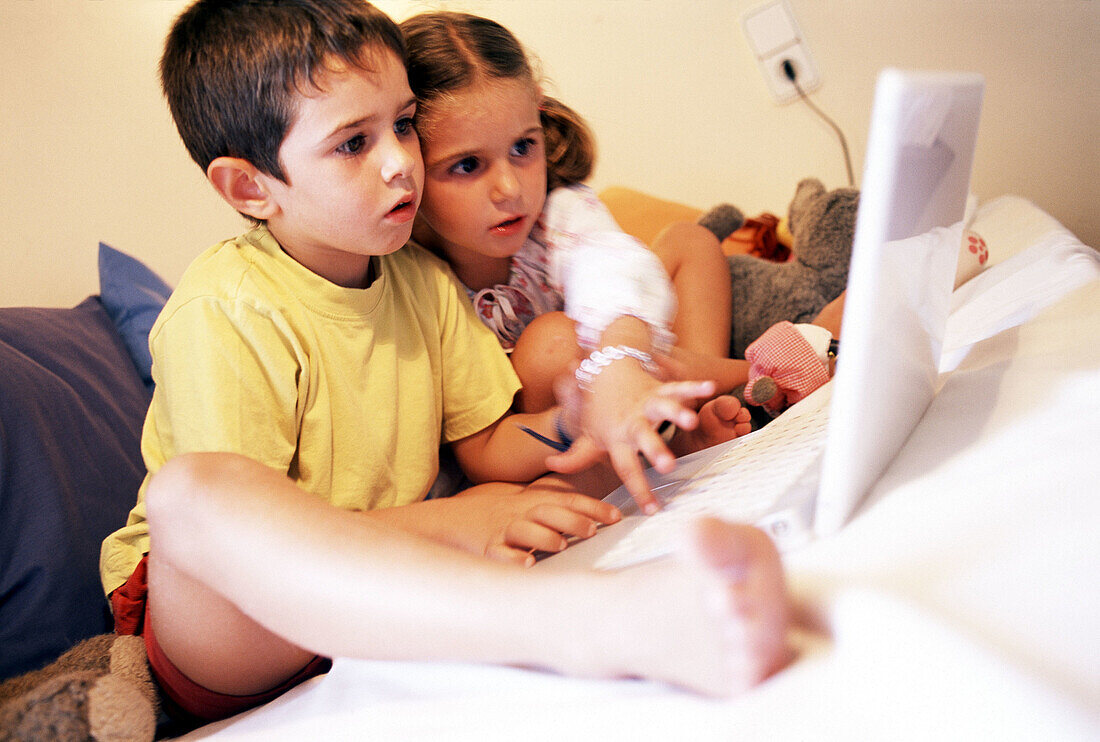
{"x":508,"y":226}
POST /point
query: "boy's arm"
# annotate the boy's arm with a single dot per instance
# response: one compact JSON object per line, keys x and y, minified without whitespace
{"x":502,"y":452}
{"x":508,"y":522}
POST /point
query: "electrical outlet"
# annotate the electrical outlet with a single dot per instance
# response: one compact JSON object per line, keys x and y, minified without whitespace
{"x":775,"y":37}
{"x":805,"y":71}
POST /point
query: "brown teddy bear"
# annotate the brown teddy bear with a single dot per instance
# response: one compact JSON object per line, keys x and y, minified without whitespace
{"x":822,"y":225}
{"x":101,"y":689}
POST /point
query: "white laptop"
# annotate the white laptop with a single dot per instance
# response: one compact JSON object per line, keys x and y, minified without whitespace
{"x":806,"y":472}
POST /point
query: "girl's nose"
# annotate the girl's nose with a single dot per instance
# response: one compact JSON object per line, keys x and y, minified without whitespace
{"x":505,"y":184}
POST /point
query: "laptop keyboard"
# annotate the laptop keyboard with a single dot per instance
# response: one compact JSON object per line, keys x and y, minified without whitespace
{"x":743,"y":485}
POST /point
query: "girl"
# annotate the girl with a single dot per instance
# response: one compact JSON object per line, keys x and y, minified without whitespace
{"x":504,"y":205}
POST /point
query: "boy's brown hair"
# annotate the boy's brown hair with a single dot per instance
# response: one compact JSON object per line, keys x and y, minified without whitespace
{"x":231,"y":69}
{"x":447,"y":52}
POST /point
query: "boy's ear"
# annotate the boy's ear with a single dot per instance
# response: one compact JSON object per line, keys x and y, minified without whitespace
{"x":242,"y":186}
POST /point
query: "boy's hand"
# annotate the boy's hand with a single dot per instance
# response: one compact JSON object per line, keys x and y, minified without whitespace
{"x":618,"y":418}
{"x":510,"y":526}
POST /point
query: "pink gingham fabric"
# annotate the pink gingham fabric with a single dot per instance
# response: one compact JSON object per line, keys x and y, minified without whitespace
{"x":788,"y":358}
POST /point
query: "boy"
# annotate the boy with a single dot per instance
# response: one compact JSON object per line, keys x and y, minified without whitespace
{"x":305,"y":374}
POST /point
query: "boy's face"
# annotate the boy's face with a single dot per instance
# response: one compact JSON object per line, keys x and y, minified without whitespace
{"x":485,"y":181}
{"x":353,"y":167}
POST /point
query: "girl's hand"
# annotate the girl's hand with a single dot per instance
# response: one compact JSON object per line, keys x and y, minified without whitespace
{"x":618,"y":417}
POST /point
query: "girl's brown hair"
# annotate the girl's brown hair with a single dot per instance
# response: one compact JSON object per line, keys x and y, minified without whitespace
{"x":447,"y":52}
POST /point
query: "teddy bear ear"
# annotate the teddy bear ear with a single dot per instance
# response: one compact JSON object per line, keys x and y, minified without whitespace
{"x":811,"y":185}
{"x":807,"y":191}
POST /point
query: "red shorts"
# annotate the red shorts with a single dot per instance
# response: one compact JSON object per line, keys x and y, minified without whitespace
{"x":185,"y":699}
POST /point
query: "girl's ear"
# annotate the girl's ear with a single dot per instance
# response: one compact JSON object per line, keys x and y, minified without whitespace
{"x":242,"y":186}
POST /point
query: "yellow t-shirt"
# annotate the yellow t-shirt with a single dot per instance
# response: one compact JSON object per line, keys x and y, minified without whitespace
{"x":349,"y":391}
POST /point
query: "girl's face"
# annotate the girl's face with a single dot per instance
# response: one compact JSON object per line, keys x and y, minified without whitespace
{"x":485,"y":171}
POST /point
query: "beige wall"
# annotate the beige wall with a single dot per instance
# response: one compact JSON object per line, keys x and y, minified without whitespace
{"x":87,"y":151}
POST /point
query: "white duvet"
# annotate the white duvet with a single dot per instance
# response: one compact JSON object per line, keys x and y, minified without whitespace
{"x":962,"y":601}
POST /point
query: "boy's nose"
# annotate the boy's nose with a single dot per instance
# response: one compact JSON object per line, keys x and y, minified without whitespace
{"x":399,"y":161}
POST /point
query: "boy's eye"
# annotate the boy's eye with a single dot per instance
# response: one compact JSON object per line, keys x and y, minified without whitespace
{"x":353,"y":146}
{"x":404,"y":126}
{"x":465,"y":166}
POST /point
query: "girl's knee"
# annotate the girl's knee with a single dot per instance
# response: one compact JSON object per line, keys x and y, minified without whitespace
{"x":177,"y":488}
{"x":548,"y":330}
{"x":682,"y":242}
{"x":544,"y":351}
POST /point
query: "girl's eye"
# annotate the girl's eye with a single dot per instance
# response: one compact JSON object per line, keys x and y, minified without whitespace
{"x":353,"y":146}
{"x":465,"y":166}
{"x":523,"y":147}
{"x":404,"y":126}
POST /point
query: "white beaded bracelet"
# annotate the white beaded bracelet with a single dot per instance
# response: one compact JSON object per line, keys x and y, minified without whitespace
{"x":591,"y":367}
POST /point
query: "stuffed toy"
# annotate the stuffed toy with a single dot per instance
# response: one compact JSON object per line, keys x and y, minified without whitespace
{"x":822,"y":225}
{"x":101,"y":689}
{"x":788,"y":361}
{"x":973,"y":257}
{"x":786,"y":364}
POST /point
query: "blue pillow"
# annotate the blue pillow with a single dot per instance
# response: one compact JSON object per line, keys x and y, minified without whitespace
{"x":71,"y":410}
{"x":133,"y":296}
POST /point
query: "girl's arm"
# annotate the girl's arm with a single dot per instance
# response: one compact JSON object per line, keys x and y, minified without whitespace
{"x":620,"y":296}
{"x":619,"y":411}
{"x":616,"y":417}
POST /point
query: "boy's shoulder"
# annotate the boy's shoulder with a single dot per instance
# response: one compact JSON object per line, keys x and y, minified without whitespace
{"x":414,"y":256}
{"x":220,"y":270}
{"x":251,"y":269}
{"x":243,"y":274}
{"x":415,"y":253}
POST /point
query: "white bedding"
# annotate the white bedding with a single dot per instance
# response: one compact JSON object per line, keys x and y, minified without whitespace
{"x":962,"y":601}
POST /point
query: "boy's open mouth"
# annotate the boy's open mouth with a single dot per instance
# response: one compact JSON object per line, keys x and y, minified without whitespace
{"x":405,"y":207}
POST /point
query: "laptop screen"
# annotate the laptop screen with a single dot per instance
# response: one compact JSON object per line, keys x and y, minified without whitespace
{"x":916,"y":179}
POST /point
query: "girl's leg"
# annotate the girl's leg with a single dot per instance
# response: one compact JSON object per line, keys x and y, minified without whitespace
{"x":700,"y":274}
{"x":831,"y":315}
{"x":197,"y":562}
{"x":211,"y":641}
{"x":727,"y":373}
{"x":721,"y":419}
{"x":250,"y":577}
{"x":253,"y":576}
